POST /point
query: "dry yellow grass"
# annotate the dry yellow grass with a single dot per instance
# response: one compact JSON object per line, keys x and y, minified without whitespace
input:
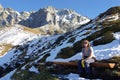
{"x":32,"y":30}
{"x":6,"y":48}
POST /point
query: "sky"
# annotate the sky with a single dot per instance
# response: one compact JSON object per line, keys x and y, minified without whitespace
{"x":88,"y":8}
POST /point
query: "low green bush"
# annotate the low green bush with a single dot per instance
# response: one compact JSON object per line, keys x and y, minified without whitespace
{"x":106,"y":38}
{"x":22,"y":75}
{"x":44,"y":58}
{"x":77,"y":46}
{"x":59,"y":39}
{"x":71,"y":40}
{"x":44,"y":75}
{"x":27,"y":75}
{"x":66,"y":52}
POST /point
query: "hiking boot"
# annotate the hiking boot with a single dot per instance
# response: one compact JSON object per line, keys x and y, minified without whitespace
{"x":89,"y":76}
{"x":82,"y":74}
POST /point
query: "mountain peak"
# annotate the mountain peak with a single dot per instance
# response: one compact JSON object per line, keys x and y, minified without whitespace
{"x":50,"y":7}
{"x":61,"y":20}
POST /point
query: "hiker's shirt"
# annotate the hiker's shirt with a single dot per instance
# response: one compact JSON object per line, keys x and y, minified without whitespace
{"x":87,"y":53}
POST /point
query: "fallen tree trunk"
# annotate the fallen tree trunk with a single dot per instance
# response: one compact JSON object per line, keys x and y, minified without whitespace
{"x":74,"y":64}
{"x":103,"y":65}
{"x":104,"y":69}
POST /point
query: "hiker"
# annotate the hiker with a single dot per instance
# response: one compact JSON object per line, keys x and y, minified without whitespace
{"x":87,"y":58}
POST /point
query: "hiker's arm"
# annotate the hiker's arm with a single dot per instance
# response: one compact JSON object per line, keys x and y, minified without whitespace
{"x":82,"y":56}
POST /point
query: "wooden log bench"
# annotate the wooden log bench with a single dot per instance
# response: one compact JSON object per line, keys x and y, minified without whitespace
{"x":107,"y":69}
{"x":75,"y":64}
{"x":72,"y":67}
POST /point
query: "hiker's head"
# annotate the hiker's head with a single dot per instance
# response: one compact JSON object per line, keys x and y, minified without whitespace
{"x":85,"y":43}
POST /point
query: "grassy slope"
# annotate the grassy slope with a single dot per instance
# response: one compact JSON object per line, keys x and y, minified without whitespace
{"x":6,"y":48}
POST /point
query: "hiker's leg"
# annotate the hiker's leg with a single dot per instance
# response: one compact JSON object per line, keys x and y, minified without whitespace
{"x":87,"y":65}
{"x":80,"y":69}
{"x":87,"y":68}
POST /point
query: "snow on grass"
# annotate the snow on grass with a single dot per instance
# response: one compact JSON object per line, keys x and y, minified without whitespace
{"x":33,"y":69}
{"x":117,"y":36}
{"x":108,"y":50}
{"x":8,"y":76}
{"x":6,"y":58}
{"x":72,"y":76}
{"x":41,"y":42}
{"x":56,"y":50}
{"x":14,"y":36}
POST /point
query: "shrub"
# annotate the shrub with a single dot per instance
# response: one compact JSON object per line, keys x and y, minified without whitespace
{"x":59,"y":39}
{"x":71,"y":40}
{"x":66,"y":52}
{"x":107,"y":38}
{"x":23,"y":75}
{"x":44,"y":75}
{"x":44,"y":58}
{"x":26,"y":75}
{"x":77,"y":46}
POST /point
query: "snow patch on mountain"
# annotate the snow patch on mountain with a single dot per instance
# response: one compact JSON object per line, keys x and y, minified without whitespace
{"x":15,"y":35}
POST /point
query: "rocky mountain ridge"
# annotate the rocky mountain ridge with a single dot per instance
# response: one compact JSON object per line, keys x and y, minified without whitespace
{"x":49,"y":20}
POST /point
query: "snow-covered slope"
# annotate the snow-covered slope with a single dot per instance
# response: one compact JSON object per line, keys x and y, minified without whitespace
{"x":29,"y":48}
{"x":36,"y":49}
{"x":15,"y":35}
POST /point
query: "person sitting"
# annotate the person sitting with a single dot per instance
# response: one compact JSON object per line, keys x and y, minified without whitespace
{"x":87,"y":58}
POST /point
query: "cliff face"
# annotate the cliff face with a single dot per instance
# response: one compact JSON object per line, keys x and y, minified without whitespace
{"x":49,"y":20}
